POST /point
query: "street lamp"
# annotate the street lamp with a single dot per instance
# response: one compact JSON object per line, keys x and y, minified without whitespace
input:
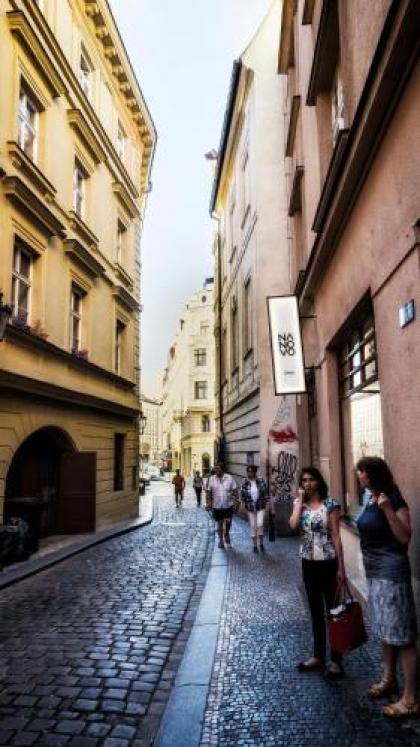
{"x":5,"y":314}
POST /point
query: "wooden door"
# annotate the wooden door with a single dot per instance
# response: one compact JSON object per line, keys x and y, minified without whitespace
{"x":77,"y":492}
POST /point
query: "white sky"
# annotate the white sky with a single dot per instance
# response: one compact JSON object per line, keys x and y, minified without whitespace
{"x":182,"y":52}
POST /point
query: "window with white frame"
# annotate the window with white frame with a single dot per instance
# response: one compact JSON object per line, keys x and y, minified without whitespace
{"x":21,"y":281}
{"x":79,"y":188}
{"x":119,"y":336}
{"x":28,"y":122}
{"x":76,"y":302}
{"x":121,"y":138}
{"x":200,"y":390}
{"x":85,"y":73}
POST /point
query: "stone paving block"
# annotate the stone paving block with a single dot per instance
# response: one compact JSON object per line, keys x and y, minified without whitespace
{"x":25,"y":738}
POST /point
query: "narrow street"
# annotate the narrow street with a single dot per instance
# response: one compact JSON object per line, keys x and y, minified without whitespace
{"x":91,"y":647}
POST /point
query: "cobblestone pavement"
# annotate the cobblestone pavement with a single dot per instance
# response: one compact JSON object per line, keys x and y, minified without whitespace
{"x":90,"y":647}
{"x":257,"y":697}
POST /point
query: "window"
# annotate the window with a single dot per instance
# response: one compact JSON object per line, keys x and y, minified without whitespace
{"x":75,"y":319}
{"x":204,"y":328}
{"x":121,"y":136}
{"x":21,"y":281}
{"x":121,"y":243}
{"x":79,"y":180}
{"x":119,"y":336}
{"x":85,"y":73}
{"x":205,"y":424}
{"x":200,"y":357}
{"x":245,"y":187}
{"x":247,"y":316}
{"x":200,"y":390}
{"x":234,"y":336}
{"x":360,"y":402}
{"x":224,"y":356}
{"x":119,"y":442}
{"x":28,"y":123}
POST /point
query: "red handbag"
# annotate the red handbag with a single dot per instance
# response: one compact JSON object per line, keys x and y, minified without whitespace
{"x":346,"y":628}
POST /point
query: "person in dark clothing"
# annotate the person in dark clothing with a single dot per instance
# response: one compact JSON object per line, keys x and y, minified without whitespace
{"x":317,"y":517}
{"x":385,"y":532}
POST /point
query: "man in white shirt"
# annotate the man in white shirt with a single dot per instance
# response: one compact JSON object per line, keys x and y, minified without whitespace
{"x":223,"y":493}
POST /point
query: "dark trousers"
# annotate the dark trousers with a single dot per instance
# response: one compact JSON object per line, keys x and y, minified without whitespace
{"x":320,"y":580}
{"x":198,"y":494}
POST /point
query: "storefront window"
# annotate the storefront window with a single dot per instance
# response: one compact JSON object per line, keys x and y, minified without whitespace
{"x":360,"y":400}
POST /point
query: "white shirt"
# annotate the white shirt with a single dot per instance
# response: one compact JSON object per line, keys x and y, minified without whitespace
{"x":222,"y":490}
{"x":254,"y":491}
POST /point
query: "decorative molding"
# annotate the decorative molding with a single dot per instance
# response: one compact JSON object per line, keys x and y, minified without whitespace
{"x":126,"y":201}
{"x":82,"y":230}
{"x":29,"y":40}
{"x":291,"y":130}
{"x":326,"y":52}
{"x":295,"y":202}
{"x":286,"y":47}
{"x":124,"y":276}
{"x":22,"y":196}
{"x":82,"y":256}
{"x":84,"y":131}
{"x":27,"y":166}
{"x":328,"y":189}
{"x":308,"y":12}
{"x":125,"y":298}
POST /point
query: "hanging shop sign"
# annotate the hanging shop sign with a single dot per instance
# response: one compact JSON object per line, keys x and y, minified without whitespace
{"x":286,"y":345}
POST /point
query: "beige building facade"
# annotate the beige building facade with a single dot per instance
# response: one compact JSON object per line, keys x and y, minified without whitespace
{"x":188,"y":425}
{"x":251,"y":258}
{"x":353,"y":157}
{"x":76,"y":146}
{"x":151,"y":431}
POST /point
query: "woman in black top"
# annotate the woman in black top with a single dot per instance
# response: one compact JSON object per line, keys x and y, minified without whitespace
{"x":385,"y":532}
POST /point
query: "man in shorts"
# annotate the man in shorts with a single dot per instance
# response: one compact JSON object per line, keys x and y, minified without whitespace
{"x":223,"y":494}
{"x":179,"y":485}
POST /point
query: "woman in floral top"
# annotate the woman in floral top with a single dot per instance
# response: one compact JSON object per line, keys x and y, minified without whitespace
{"x":254,"y":496}
{"x":317,"y":517}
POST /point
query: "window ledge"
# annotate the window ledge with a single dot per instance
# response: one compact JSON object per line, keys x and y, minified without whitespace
{"x":28,"y":167}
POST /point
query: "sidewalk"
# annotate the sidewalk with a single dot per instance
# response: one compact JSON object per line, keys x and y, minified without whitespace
{"x":59,"y":547}
{"x":255,"y":695}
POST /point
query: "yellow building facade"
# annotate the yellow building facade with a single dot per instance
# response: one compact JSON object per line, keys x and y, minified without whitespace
{"x":76,"y":147}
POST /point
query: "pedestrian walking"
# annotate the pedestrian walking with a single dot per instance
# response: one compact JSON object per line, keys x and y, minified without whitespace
{"x":179,"y":486}
{"x":316,"y":515}
{"x":223,"y":495}
{"x":198,"y":486}
{"x":385,"y":532}
{"x":254,"y":495}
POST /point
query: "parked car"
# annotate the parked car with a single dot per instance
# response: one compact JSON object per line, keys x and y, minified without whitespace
{"x":152,"y":471}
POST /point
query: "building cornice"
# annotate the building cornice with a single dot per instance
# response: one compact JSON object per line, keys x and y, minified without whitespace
{"x":125,"y":298}
{"x":27,"y":387}
{"x":125,"y":200}
{"x":27,"y":201}
{"x":21,"y":28}
{"x":81,"y":126}
{"x":32,"y":341}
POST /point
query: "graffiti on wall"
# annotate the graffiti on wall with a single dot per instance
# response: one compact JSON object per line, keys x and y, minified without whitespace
{"x":283,"y":451}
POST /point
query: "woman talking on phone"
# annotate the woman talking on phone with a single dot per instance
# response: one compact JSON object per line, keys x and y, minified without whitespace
{"x":385,"y":533}
{"x":317,"y":517}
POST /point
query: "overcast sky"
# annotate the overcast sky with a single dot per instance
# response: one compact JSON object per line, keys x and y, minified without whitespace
{"x":182,"y":52}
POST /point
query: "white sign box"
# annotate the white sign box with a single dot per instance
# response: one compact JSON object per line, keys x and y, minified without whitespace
{"x":286,"y":345}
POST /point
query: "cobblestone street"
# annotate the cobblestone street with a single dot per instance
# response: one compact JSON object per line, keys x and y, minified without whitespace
{"x":90,"y":647}
{"x":257,"y":697}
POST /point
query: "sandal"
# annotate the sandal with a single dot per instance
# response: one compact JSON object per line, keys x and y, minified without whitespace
{"x":304,"y":666}
{"x":386,"y":686}
{"x":334,"y":671}
{"x":401,"y":709}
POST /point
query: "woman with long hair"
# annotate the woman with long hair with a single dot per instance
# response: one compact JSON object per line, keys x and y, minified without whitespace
{"x":316,"y":515}
{"x":385,"y":532}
